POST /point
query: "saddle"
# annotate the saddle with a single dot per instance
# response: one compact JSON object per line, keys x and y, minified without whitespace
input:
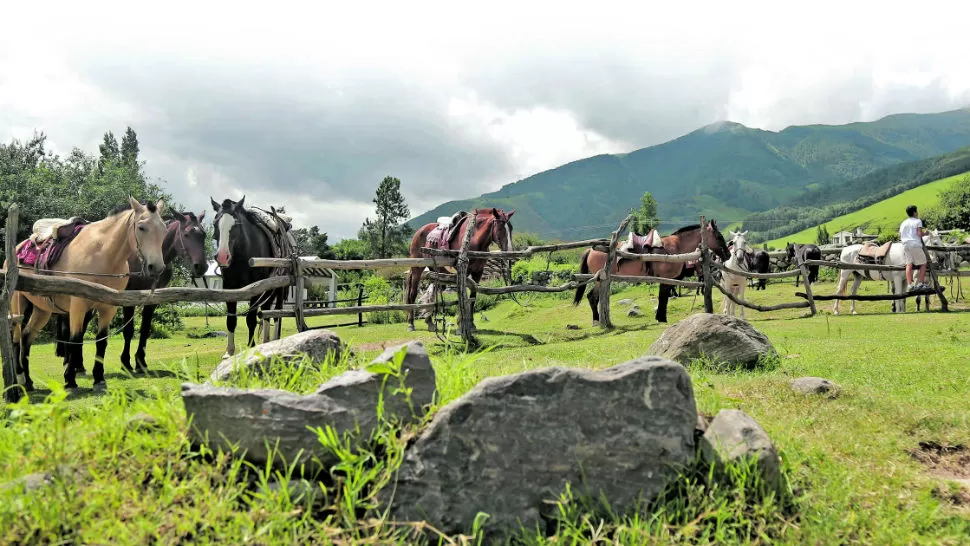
{"x":276,"y":225}
{"x":641,"y":244}
{"x":871,"y":253}
{"x":49,"y":238}
{"x":447,"y":229}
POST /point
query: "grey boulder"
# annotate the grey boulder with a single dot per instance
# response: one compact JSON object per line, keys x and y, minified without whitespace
{"x":316,"y":346}
{"x":814,"y":385}
{"x":723,"y":338}
{"x":511,"y":444}
{"x":732,"y":436}
{"x":224,"y":417}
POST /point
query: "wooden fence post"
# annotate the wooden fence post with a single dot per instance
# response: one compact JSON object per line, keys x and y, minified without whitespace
{"x":12,"y":390}
{"x":607,"y":275}
{"x":707,"y":270}
{"x":936,"y":282}
{"x":360,"y":302}
{"x":808,"y":286}
{"x":465,"y":317}
{"x":301,"y":325}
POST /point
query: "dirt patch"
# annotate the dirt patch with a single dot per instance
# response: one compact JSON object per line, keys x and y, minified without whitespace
{"x":381,"y":345}
{"x":947,"y":461}
{"x":957,"y":494}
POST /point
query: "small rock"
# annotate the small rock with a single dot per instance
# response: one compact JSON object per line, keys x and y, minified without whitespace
{"x":625,"y":301}
{"x":734,"y":435}
{"x":222,"y":417}
{"x":30,"y":482}
{"x":814,"y":385}
{"x":217,"y":333}
{"x":634,"y":311}
{"x":510,"y":445}
{"x":572,"y":327}
{"x":721,"y":337}
{"x":315,"y":344}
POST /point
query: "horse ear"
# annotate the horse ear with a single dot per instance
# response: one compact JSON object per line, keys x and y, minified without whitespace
{"x":239,"y":204}
{"x":509,"y":215}
{"x":135,"y":205}
{"x":160,"y":205}
{"x":201,"y":215}
{"x":495,"y":212}
{"x":215,"y":206}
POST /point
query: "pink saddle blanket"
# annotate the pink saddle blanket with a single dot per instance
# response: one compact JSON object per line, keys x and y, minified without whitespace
{"x":49,"y":252}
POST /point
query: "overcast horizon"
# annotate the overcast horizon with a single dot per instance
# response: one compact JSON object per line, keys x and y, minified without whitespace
{"x":310,"y":106}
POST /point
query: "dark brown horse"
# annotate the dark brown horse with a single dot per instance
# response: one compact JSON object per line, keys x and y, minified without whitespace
{"x":491,"y":226}
{"x":682,"y":241}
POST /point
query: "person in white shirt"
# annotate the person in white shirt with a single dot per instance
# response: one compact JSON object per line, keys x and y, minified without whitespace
{"x":911,"y":235}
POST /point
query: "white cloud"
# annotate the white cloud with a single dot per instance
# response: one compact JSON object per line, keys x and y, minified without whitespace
{"x":310,"y":104}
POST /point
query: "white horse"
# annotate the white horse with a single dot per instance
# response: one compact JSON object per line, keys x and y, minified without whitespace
{"x":739,"y":262}
{"x":897,"y":279}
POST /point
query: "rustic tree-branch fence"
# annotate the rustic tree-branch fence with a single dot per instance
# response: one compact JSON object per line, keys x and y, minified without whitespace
{"x":44,"y":284}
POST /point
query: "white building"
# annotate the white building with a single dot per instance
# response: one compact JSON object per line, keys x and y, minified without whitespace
{"x":315,"y":276}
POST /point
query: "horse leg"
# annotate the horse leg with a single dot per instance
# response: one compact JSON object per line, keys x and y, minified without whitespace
{"x":129,"y":331}
{"x":280,"y":300}
{"x":856,"y":281}
{"x":105,"y":314}
{"x":473,"y":295}
{"x":840,"y":288}
{"x":147,"y":314}
{"x":663,"y":294}
{"x":230,"y":329}
{"x":28,"y":335}
{"x":594,"y":302}
{"x":252,"y":320}
{"x":414,"y":283}
{"x":740,"y":296}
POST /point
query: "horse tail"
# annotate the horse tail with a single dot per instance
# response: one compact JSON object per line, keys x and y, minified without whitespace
{"x":583,"y":270}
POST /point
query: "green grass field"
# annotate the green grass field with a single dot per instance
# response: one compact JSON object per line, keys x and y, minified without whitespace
{"x":905,"y":379}
{"x":885,"y":215}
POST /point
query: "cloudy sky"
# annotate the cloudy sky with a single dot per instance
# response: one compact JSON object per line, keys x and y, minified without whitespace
{"x":310,"y":105}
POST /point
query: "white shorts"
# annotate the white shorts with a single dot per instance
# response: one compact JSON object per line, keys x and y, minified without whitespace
{"x":914,"y":254}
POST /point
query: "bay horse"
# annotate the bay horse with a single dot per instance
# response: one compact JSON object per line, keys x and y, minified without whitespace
{"x":684,"y":240}
{"x":240,"y":235}
{"x":798,"y":253}
{"x":897,"y":279}
{"x":99,"y":254}
{"x":185,"y":238}
{"x":492,"y":225}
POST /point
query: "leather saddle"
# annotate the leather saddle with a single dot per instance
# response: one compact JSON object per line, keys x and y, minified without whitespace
{"x":641,"y":244}
{"x":872,"y":253}
{"x":447,"y":229}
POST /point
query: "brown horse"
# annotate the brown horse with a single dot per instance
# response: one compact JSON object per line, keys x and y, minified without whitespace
{"x":98,"y":254}
{"x":491,"y":226}
{"x":682,"y":241}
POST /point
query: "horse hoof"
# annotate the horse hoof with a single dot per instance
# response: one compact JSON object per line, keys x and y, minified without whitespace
{"x":226,"y":355}
{"x":81,"y":371}
{"x":100,"y":386}
{"x":410,"y":327}
{"x":141,"y":371}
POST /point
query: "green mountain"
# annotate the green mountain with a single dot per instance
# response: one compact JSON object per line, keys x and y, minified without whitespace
{"x":724,"y":170}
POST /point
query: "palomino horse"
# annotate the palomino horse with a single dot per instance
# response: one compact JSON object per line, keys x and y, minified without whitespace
{"x":740,"y":260}
{"x":799,"y":253}
{"x":897,"y":279}
{"x":99,"y":254}
{"x":184,"y":237}
{"x":492,"y":225}
{"x":241,"y":235}
{"x":682,"y":241}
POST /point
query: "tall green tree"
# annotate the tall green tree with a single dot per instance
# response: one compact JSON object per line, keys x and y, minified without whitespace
{"x":388,"y":234}
{"x":953,"y":210}
{"x":645,"y":218}
{"x":129,"y":148}
{"x":110,"y":152}
{"x":822,"y":236}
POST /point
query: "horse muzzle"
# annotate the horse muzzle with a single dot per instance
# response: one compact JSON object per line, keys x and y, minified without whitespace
{"x":152,"y":270}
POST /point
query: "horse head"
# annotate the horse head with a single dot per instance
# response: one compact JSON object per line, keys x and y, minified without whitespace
{"x":718,"y":246}
{"x":148,"y":235}
{"x":500,"y":228}
{"x":740,"y":251}
{"x":227,"y":217}
{"x":192,"y":240}
{"x":790,"y":252}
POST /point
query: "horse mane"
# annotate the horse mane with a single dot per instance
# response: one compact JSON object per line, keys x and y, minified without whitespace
{"x":127,"y":206}
{"x":691,"y":227}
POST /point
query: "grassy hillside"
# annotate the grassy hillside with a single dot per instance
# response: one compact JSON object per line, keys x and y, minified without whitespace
{"x":856,"y":463}
{"x":885,"y":215}
{"x":726,"y":171}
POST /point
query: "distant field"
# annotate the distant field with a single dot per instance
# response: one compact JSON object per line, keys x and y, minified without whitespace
{"x":885,"y":214}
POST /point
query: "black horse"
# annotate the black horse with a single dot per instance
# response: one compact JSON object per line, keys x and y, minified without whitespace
{"x":240,"y":235}
{"x":184,"y":237}
{"x":761,"y":264}
{"x":802,"y":253}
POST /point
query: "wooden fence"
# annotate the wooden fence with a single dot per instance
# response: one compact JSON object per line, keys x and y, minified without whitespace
{"x":15,"y":278}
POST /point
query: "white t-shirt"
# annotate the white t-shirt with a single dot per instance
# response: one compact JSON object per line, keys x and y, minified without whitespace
{"x":907,"y":230}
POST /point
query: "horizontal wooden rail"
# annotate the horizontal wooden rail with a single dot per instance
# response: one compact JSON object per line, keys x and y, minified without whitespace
{"x":855,"y":267}
{"x":763,"y":308}
{"x":751,"y":275}
{"x":954,"y":248}
{"x":659,"y":258}
{"x":525,"y":253}
{"x":869,"y":297}
{"x":288,"y":313}
{"x":46,"y":285}
{"x":636,"y":279}
{"x":355,"y":264}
